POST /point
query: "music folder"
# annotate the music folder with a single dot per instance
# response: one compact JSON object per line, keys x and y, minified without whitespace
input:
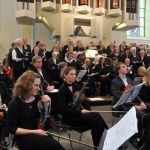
{"x":81,"y":73}
{"x":129,"y":95}
{"x":114,"y":137}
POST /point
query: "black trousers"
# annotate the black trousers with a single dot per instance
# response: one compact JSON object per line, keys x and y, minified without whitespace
{"x":37,"y":142}
{"x":89,"y":121}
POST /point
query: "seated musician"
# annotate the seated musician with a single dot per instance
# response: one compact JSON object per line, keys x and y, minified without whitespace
{"x":78,"y":116}
{"x":144,"y":94}
{"x":4,"y":99}
{"x":23,"y":115}
{"x":46,"y":81}
{"x":118,"y":86}
{"x":122,"y":83}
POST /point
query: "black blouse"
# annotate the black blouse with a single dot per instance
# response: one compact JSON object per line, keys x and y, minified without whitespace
{"x":23,"y":115}
{"x":145,"y":93}
{"x":65,"y":97}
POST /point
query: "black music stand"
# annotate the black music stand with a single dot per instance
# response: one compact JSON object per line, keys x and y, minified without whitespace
{"x":129,"y":95}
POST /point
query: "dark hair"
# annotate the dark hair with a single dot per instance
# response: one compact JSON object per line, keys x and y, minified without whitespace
{"x":118,"y":66}
{"x":108,"y":61}
{"x":114,"y":58}
{"x":4,"y":61}
{"x":100,"y":51}
{"x":13,"y":44}
{"x":37,"y":42}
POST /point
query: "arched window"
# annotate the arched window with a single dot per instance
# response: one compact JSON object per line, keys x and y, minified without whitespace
{"x":140,"y":31}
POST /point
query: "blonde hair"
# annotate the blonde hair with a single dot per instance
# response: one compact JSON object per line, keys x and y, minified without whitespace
{"x":23,"y":86}
{"x":141,"y":69}
{"x":146,"y":78}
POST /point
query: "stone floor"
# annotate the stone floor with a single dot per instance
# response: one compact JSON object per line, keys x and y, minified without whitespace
{"x":86,"y":136}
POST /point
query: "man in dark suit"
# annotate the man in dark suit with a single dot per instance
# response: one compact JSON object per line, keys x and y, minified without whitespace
{"x":46,"y":84}
{"x":4,"y":100}
{"x":46,"y":81}
{"x":122,"y":83}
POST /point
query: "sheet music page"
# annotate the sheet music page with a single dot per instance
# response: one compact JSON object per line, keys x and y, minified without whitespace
{"x":96,"y":99}
{"x":92,"y":74}
{"x":81,"y":73}
{"x":122,"y":131}
{"x":53,"y":91}
{"x":129,"y":95}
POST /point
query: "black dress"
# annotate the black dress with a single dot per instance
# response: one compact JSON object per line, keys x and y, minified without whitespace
{"x":25,"y":115}
{"x":74,"y":117}
{"x":145,"y":96}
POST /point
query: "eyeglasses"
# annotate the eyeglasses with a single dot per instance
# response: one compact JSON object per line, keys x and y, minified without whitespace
{"x":38,"y":61}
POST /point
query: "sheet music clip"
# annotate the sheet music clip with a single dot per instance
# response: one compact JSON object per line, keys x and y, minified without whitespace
{"x":114,"y":137}
{"x":129,"y":95}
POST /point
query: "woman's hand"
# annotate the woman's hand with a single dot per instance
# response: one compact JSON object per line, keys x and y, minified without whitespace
{"x":46,"y":98}
{"x":40,"y":132}
{"x":84,"y":111}
{"x":50,"y":88}
{"x":142,"y":104}
{"x":3,"y":106}
{"x":78,"y":79}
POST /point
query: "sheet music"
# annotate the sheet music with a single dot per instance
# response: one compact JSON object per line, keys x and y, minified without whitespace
{"x":53,"y":91}
{"x":120,"y":132}
{"x":92,"y":74}
{"x":129,"y":95}
{"x":96,"y":99}
{"x":81,"y":73}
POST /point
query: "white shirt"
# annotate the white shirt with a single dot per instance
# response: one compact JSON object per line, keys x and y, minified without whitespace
{"x":14,"y":55}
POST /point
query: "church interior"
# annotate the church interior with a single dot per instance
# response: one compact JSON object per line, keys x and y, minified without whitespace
{"x":93,"y":39}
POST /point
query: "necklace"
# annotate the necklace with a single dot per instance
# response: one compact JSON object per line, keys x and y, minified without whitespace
{"x":30,"y":105}
{"x":29,"y":102}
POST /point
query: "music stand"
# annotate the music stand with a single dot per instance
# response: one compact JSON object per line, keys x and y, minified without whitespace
{"x":114,"y":137}
{"x":129,"y":95}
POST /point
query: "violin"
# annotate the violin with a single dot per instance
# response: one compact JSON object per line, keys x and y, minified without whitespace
{"x":2,"y":113}
{"x":78,"y":98}
{"x":127,"y":88}
{"x":46,"y":121}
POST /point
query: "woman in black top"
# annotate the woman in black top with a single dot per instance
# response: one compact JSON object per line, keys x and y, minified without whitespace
{"x":77,"y":117}
{"x":4,"y":100}
{"x":23,"y":115}
{"x":144,"y":94}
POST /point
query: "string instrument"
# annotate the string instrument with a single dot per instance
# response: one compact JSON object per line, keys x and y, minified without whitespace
{"x":2,"y":113}
{"x":45,"y":122}
{"x":2,"y":109}
{"x":78,"y":98}
{"x":126,"y":88}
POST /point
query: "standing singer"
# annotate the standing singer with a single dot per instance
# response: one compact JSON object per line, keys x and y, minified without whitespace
{"x":77,"y":116}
